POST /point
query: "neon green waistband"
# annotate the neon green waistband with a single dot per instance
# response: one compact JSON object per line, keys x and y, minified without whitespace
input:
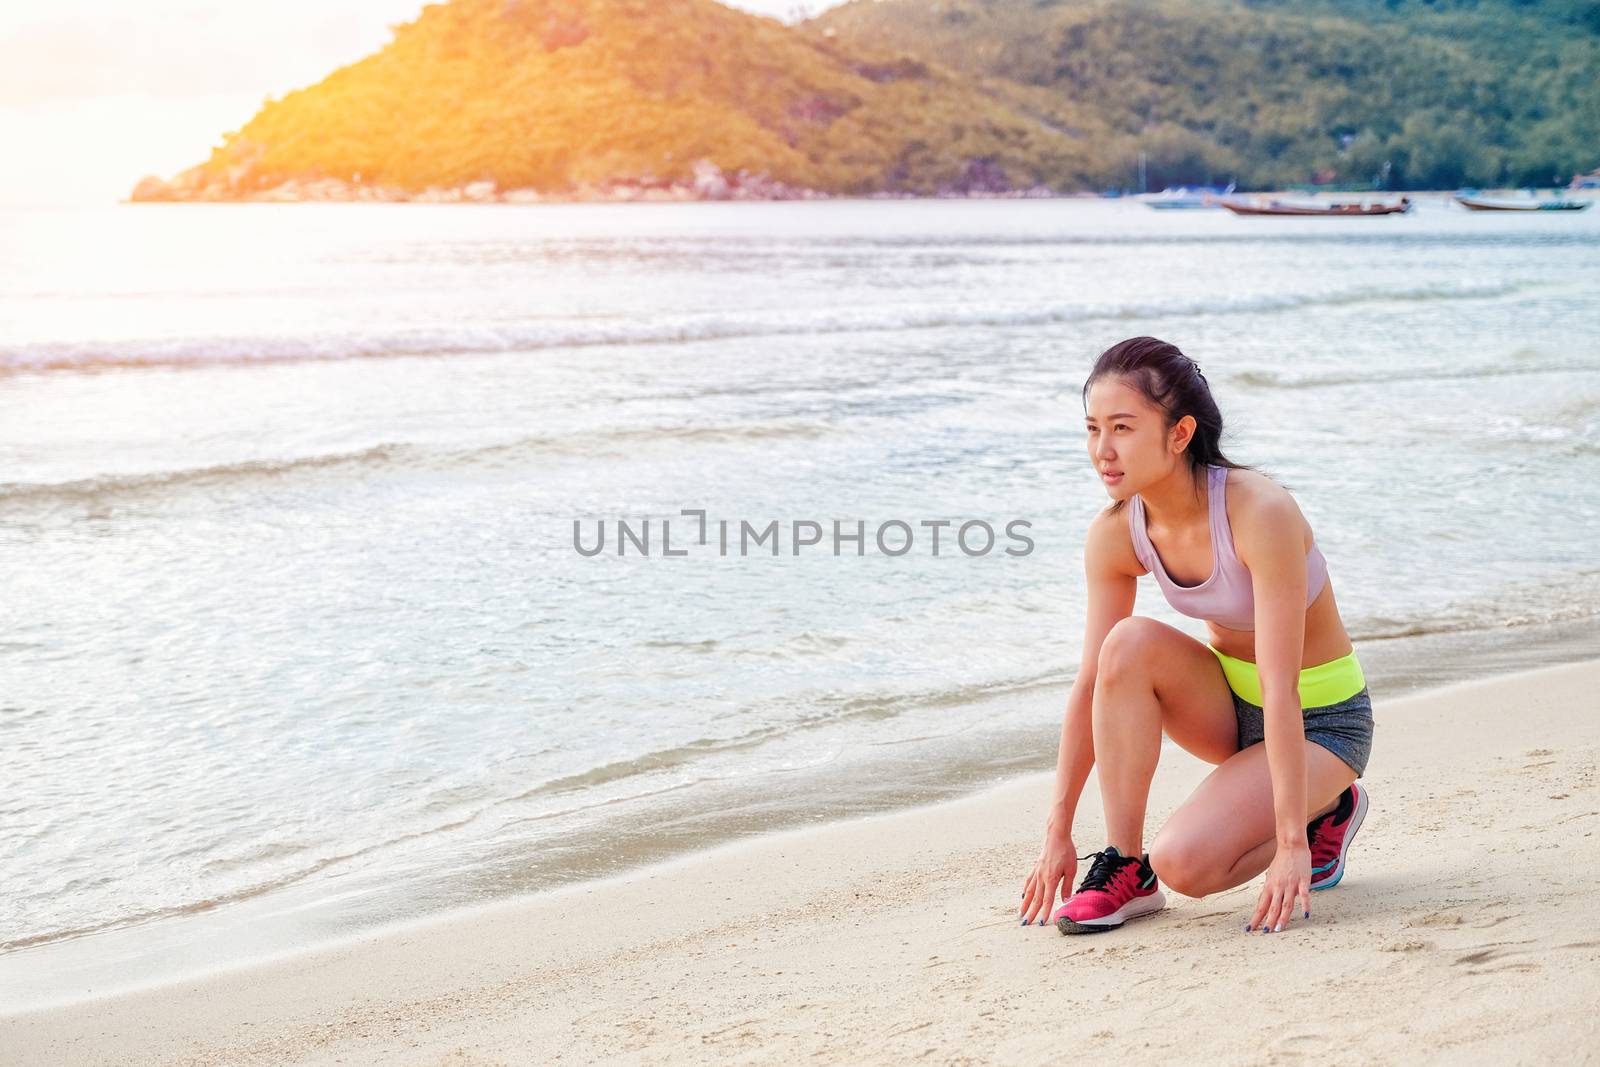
{"x":1326,"y":683}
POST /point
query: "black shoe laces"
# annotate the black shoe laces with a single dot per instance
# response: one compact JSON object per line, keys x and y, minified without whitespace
{"x":1104,"y":868}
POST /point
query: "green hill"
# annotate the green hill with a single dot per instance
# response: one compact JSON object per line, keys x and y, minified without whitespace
{"x":615,"y":97}
{"x":1276,"y":92}
{"x":561,"y":95}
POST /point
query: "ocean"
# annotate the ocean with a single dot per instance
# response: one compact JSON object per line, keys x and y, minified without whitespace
{"x":304,"y":632}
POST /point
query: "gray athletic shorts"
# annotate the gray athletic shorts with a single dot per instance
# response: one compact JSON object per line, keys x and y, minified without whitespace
{"x":1345,"y":728}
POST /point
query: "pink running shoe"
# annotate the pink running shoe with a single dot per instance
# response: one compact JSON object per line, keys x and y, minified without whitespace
{"x":1330,"y":835}
{"x":1116,"y":889}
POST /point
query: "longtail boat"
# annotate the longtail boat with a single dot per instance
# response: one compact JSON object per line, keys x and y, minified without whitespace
{"x":1474,"y":202}
{"x":1337,"y":211}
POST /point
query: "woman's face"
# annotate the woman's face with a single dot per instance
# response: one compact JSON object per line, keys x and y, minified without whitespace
{"x":1128,"y":442}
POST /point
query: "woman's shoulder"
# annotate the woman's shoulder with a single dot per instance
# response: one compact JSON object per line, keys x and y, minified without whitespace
{"x":1260,"y":508}
{"x":1252,"y":490}
{"x":1110,"y":540}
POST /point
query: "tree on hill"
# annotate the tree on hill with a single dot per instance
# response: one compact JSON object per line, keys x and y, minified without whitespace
{"x":1403,"y":93}
{"x":559,"y":94}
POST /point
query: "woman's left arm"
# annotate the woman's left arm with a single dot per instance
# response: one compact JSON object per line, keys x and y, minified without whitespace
{"x":1274,"y":550}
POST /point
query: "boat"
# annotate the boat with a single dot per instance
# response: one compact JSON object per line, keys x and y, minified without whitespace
{"x":1316,"y":210}
{"x":1187,"y":197}
{"x":1478,"y":202}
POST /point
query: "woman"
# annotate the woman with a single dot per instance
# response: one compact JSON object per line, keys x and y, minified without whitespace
{"x":1276,"y":698}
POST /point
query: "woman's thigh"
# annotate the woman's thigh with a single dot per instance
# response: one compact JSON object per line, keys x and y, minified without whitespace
{"x":1196,"y":703}
{"x":1231,"y":813}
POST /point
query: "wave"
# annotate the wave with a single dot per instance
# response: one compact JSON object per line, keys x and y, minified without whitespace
{"x":1569,"y":430}
{"x":115,"y":488}
{"x":90,"y":355}
{"x":234,"y":896}
{"x":105,"y":487}
{"x":839,"y":709}
{"x":1265,"y":379}
{"x":832,"y":711}
{"x":1572,"y":597}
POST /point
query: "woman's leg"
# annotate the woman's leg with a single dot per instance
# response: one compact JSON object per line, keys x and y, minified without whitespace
{"x":1225,"y":833}
{"x":1152,"y":677}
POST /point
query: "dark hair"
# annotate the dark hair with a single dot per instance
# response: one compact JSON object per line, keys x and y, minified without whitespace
{"x":1172,"y":382}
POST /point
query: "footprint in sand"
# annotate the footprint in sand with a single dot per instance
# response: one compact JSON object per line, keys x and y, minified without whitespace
{"x":1298,"y":1047}
{"x":1439,"y":918}
{"x":1498,"y":953}
{"x":1522,"y":966}
{"x":1484,"y":914}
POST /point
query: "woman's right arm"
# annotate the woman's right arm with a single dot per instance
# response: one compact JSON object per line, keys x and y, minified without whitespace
{"x":1111,"y":595}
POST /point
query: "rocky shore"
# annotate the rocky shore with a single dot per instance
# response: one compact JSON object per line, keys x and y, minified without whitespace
{"x":708,"y":182}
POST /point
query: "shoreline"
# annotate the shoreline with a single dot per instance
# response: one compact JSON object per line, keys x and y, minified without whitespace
{"x":657,"y":827}
{"x":707,"y":181}
{"x":711,"y":187}
{"x":922,"y":944}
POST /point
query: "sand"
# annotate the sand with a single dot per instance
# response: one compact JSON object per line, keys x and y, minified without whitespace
{"x":1464,"y":932}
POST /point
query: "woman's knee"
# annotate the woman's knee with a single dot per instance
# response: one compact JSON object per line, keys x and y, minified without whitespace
{"x":1183,"y":865}
{"x":1125,"y":652}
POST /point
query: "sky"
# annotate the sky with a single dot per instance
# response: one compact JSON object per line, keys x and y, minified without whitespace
{"x":95,"y":94}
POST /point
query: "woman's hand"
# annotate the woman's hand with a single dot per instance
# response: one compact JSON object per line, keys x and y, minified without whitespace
{"x":1288,"y":878}
{"x":1058,"y":863}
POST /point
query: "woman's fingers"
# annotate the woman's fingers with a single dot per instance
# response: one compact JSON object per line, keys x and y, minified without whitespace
{"x":1039,"y":898}
{"x":1047,"y":899}
{"x":1039,"y":893}
{"x":1266,"y":916}
{"x":1284,"y":912}
{"x":1030,"y":901}
{"x":1261,"y":909}
{"x":1283,"y":896}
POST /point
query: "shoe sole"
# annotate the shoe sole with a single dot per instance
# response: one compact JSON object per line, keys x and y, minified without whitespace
{"x":1133,"y":909}
{"x":1336,"y":873}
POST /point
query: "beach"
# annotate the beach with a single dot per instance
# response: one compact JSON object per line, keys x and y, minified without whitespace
{"x":302,"y":640}
{"x":569,"y":539}
{"x":1463,"y":933}
{"x":303,"y":636}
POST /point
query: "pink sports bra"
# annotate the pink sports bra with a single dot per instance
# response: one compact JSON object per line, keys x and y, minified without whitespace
{"x":1225,"y":597}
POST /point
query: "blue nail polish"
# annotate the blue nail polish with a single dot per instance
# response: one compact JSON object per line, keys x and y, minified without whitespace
{"x":1308,"y":915}
{"x":1025,"y":922}
{"x":1247,"y":928}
